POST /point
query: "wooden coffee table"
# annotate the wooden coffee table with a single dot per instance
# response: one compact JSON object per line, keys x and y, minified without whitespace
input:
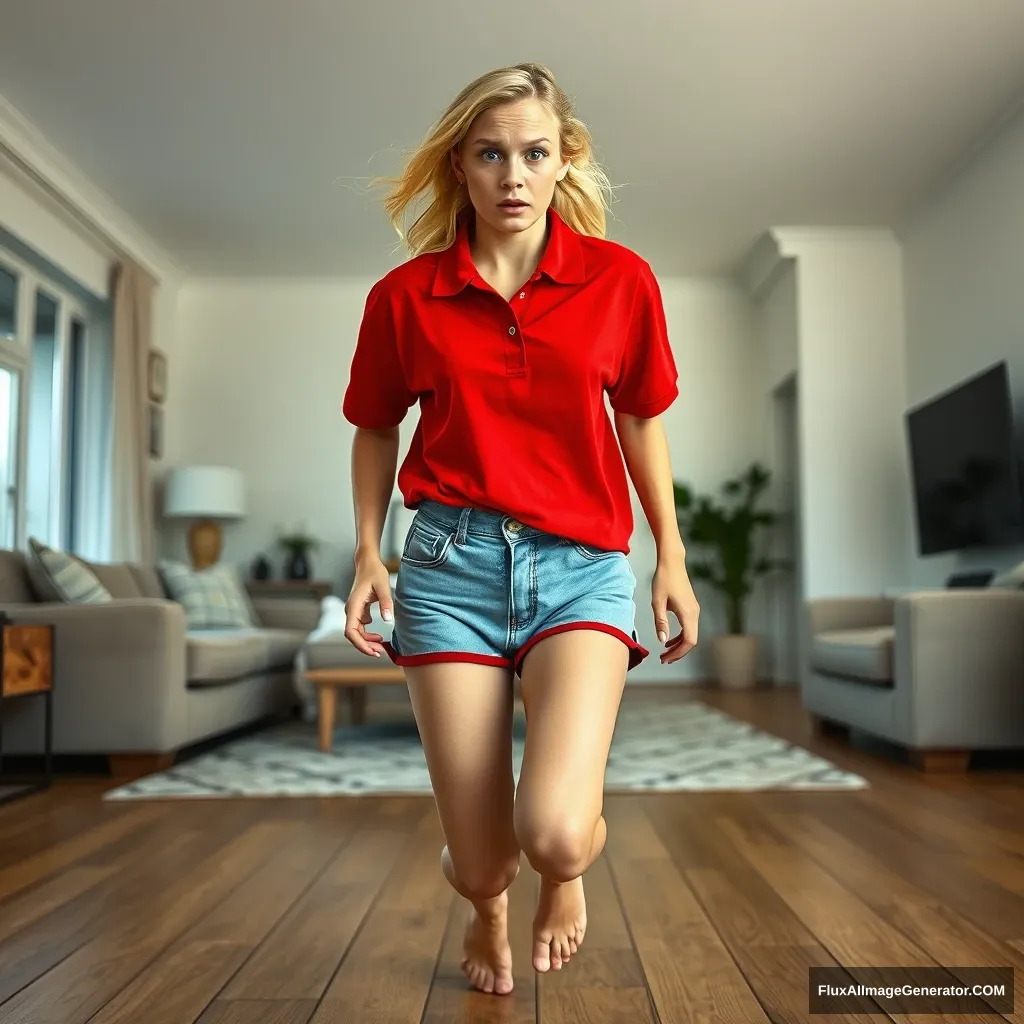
{"x":329,"y":680}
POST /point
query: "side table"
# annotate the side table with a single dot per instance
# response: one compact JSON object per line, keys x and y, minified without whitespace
{"x":26,"y":670}
{"x":355,"y":680}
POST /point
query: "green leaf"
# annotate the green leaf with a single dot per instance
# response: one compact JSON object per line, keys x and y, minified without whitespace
{"x":725,"y":536}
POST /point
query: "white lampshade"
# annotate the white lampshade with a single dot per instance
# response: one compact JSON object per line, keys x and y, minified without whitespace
{"x":215,"y":492}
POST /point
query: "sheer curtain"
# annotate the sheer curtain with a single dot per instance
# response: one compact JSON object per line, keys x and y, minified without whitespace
{"x":131,"y":518}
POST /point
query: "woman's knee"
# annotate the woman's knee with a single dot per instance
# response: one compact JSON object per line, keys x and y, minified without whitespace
{"x":484,"y":878}
{"x":558,"y":849}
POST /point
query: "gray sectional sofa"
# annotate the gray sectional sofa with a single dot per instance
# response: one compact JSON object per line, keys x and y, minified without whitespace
{"x":132,"y":682}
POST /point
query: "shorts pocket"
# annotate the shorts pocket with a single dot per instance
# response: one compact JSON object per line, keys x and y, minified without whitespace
{"x":591,"y":552}
{"x":426,"y":546}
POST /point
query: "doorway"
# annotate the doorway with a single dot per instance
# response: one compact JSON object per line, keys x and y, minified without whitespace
{"x":787,"y":591}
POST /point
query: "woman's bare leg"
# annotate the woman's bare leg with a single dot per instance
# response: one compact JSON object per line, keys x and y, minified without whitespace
{"x":571,"y":686}
{"x":464,"y":716}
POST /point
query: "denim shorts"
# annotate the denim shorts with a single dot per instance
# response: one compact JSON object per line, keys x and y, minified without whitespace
{"x":481,"y":587}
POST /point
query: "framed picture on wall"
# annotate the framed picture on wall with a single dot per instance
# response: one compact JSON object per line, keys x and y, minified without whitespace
{"x":156,"y":431}
{"x":157,"y":376}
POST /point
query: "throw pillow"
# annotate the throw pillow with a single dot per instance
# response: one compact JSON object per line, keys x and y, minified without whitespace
{"x":58,"y":576}
{"x":213,"y":598}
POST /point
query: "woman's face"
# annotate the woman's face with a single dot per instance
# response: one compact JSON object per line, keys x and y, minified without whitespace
{"x":511,"y":152}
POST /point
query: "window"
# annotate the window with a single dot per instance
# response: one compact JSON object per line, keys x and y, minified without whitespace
{"x":55,"y":406}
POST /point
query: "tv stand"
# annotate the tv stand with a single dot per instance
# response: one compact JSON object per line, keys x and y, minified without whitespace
{"x":976,"y":578}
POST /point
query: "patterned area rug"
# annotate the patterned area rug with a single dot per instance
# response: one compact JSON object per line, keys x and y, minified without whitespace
{"x":656,"y":747}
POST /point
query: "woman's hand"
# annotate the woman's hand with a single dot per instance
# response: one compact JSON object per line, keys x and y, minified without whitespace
{"x":372,"y":583}
{"x":672,"y":591}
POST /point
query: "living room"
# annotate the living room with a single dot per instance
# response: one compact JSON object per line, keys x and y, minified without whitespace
{"x":835,"y":224}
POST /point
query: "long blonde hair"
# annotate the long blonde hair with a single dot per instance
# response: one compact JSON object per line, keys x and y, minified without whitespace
{"x":580,"y":198}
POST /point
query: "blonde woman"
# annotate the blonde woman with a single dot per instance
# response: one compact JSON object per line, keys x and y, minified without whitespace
{"x":510,"y":325}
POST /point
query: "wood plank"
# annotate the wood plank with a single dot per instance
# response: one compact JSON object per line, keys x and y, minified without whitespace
{"x":844,"y":924}
{"x":258,"y":1011}
{"x":23,"y":837}
{"x":297,"y":961}
{"x":43,"y":899}
{"x":938,"y":820}
{"x":121,"y":860}
{"x":24,"y":873}
{"x":937,"y":929}
{"x":210,"y":952}
{"x":30,"y":953}
{"x":769,"y":943}
{"x":79,"y":986}
{"x":945,"y":875}
{"x":388,"y":969}
{"x":690,"y":975}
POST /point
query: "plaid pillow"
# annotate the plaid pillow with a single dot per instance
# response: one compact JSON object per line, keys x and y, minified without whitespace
{"x":58,"y":576}
{"x":213,"y":598}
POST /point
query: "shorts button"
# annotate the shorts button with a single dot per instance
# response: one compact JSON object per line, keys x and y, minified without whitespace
{"x":514,"y":527}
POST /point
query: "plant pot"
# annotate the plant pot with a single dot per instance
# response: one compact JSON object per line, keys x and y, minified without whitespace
{"x":734,"y":657}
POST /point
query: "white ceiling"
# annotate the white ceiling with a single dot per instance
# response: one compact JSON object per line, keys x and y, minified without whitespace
{"x":235,"y":131}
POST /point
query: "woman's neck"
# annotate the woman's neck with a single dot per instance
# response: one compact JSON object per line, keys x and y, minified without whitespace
{"x":514,"y":254}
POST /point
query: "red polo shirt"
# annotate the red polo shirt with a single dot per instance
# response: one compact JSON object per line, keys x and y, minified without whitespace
{"x":512,"y":393}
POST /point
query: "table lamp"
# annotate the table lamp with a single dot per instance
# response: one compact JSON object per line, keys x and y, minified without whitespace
{"x":206,"y":494}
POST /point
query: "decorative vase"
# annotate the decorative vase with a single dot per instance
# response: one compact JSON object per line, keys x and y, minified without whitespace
{"x":261,"y":568}
{"x":298,"y":566}
{"x":734,"y":657}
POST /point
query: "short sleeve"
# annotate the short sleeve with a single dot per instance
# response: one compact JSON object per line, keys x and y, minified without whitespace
{"x":647,"y":381}
{"x":377,"y":396}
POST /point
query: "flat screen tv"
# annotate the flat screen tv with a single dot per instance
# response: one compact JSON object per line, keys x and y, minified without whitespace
{"x":964,"y":466}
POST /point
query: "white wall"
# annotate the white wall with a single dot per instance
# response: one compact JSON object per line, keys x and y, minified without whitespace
{"x":263,"y":366}
{"x":964,"y":267}
{"x":854,"y":508}
{"x":777,"y":329}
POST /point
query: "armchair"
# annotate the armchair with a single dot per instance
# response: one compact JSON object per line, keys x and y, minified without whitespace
{"x":939,"y":672}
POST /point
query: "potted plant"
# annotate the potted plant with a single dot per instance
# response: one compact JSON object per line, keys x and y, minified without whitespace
{"x":728,"y":532}
{"x":298,"y":545}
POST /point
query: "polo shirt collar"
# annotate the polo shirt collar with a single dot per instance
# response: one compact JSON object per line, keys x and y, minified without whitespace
{"x":562,"y":260}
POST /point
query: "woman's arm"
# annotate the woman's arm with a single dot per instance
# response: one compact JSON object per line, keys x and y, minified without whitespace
{"x":645,"y":450}
{"x":374,"y":462}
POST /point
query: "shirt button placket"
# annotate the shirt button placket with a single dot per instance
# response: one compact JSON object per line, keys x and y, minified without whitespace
{"x":517,"y":353}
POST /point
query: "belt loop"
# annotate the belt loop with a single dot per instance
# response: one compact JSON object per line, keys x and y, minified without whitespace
{"x":460,"y":536}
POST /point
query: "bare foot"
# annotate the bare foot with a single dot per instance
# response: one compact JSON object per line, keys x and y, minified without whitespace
{"x":559,"y":923}
{"x":487,"y":956}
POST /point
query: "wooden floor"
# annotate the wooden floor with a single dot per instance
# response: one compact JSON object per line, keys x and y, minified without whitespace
{"x":704,"y":907}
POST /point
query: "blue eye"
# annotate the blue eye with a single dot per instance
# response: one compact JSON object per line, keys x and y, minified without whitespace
{"x":543,"y":153}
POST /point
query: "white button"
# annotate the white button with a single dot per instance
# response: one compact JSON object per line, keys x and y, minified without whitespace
{"x":522,"y":295}
{"x":511,"y":330}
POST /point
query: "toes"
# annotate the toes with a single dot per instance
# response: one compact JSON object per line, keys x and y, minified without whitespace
{"x":564,"y":951}
{"x":502,"y":986}
{"x":542,"y":954}
{"x":556,"y":955}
